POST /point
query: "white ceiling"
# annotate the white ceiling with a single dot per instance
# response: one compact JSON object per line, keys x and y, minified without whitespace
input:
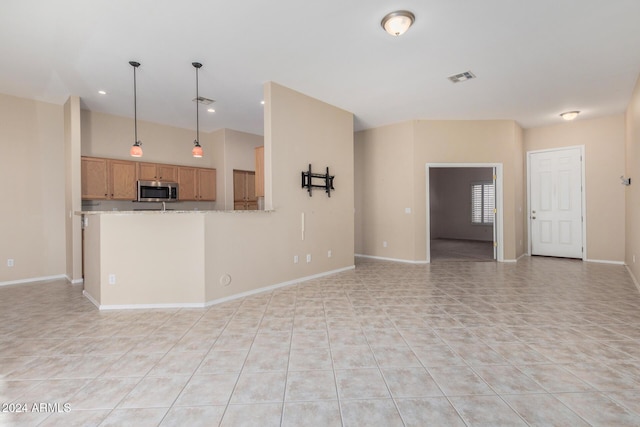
{"x":533,"y":59}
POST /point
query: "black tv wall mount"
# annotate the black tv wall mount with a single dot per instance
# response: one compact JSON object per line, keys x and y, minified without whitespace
{"x":312,"y":180}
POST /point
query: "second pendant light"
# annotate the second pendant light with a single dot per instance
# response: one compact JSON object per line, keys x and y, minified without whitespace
{"x":197,"y":149}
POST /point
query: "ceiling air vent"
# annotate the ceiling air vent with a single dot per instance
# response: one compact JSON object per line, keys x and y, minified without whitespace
{"x":204,"y":101}
{"x":457,"y":78}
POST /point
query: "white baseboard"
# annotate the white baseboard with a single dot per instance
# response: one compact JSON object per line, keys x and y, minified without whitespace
{"x":216,"y":301}
{"x":635,"y":280}
{"x":88,"y":296}
{"x":604,"y":261}
{"x":33,"y":280}
{"x":406,"y":261}
{"x":74,"y":282}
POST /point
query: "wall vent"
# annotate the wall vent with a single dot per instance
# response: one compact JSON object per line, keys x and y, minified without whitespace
{"x":462,"y":77}
{"x":204,"y":101}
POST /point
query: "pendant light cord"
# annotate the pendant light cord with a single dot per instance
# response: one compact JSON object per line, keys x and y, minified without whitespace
{"x":135,"y":65}
{"x":135,"y":105}
{"x":197,"y":109}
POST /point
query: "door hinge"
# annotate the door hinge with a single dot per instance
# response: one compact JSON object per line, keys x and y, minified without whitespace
{"x":495,"y":211}
{"x":495,"y":244}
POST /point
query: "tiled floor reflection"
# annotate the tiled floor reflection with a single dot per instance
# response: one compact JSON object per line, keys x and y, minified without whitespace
{"x":541,"y":342}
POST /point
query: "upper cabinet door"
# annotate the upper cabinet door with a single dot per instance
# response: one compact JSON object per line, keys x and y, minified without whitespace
{"x":187,"y":183}
{"x":207,"y":184}
{"x":167,"y":173}
{"x":94,"y":178}
{"x":147,"y":171}
{"x":122,"y":179}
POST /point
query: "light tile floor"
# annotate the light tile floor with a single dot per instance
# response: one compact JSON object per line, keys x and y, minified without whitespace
{"x":541,"y":342}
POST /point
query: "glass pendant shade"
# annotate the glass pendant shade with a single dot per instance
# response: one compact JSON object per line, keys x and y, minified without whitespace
{"x":136,"y":150}
{"x":197,"y":150}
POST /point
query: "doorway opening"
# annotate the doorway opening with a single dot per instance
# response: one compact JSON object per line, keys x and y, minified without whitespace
{"x":464,"y":212}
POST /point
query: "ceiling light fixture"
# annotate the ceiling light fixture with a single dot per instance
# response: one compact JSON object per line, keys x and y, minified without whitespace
{"x":398,"y":22}
{"x":197,"y":149}
{"x":136,"y":149}
{"x":570,"y":115}
{"x":102,"y":92}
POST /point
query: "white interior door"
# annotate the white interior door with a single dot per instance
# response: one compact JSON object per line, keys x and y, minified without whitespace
{"x":556,"y":203}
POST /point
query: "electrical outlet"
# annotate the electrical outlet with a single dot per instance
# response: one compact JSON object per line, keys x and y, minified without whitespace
{"x":384,"y":244}
{"x":10,"y":262}
{"x":295,"y":259}
{"x":329,"y":253}
{"x":112,"y":279}
{"x":308,"y":257}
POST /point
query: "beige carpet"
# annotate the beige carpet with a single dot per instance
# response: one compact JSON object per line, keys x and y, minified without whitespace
{"x":461,"y":250}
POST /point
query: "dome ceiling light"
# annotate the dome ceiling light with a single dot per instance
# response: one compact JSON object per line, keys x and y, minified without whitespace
{"x":570,"y":115}
{"x":398,"y":22}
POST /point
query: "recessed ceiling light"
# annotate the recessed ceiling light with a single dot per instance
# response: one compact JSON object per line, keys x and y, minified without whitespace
{"x":101,"y":92}
{"x":262,"y":102}
{"x":570,"y":115}
{"x":211,"y":110}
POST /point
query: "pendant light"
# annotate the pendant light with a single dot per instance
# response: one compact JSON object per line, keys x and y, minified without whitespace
{"x":136,"y":149}
{"x":197,"y":149}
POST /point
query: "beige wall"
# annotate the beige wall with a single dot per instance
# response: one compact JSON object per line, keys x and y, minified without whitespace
{"x":165,"y":267}
{"x":632,"y":192}
{"x":298,"y":130}
{"x":73,"y":204}
{"x":385,"y":188}
{"x":32,"y":221}
{"x":473,"y":141}
{"x":392,"y":176}
{"x":604,"y":142}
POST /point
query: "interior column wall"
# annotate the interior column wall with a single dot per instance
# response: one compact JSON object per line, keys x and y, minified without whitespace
{"x":632,"y":192}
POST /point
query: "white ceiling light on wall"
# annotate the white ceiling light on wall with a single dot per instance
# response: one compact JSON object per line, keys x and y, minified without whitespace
{"x":398,"y":22}
{"x":570,"y":115}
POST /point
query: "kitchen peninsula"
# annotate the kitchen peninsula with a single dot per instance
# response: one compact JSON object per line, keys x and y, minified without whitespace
{"x":143,"y":259}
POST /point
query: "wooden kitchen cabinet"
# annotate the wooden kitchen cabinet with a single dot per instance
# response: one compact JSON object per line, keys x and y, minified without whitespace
{"x":244,"y":190}
{"x":157,"y":172}
{"x":259,"y":152}
{"x":207,"y":184}
{"x":122,"y":179}
{"x":108,"y":179}
{"x":196,"y":184}
{"x":93,"y":175}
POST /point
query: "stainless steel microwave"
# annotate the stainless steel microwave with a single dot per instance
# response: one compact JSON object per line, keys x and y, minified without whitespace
{"x":157,"y":191}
